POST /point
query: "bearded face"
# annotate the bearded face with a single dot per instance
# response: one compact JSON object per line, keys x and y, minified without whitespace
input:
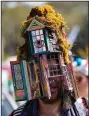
{"x":55,"y":84}
{"x":55,"y":88}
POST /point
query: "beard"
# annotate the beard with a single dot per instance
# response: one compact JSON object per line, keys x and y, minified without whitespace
{"x":56,"y":91}
{"x":54,"y":98}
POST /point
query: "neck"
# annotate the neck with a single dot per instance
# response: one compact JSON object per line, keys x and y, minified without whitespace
{"x":49,"y":108}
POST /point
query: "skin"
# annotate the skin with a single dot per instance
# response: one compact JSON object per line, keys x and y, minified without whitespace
{"x":52,"y":106}
{"x":82,"y":84}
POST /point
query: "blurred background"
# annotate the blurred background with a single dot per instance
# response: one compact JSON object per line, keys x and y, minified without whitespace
{"x":13,"y":13}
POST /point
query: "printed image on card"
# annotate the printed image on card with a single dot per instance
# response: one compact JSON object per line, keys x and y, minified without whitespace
{"x":20,"y":93}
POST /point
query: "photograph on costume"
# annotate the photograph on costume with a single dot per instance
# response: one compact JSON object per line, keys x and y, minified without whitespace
{"x":45,"y":60}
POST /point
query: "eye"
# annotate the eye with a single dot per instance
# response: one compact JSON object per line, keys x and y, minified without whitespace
{"x":78,"y":78}
{"x":39,"y":43}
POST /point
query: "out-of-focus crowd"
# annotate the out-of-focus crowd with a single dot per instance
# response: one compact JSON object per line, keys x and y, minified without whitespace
{"x":81,"y":76}
{"x":80,"y":67}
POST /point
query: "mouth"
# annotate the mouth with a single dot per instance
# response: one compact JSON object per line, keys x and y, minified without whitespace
{"x":53,"y":89}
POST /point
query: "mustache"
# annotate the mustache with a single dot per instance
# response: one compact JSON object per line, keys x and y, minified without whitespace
{"x":55,"y":82}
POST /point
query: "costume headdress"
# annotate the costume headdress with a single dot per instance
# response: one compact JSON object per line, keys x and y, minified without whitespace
{"x":45,"y":40}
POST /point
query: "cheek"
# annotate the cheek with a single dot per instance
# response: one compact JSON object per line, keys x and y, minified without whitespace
{"x":59,"y":84}
{"x":84,"y":81}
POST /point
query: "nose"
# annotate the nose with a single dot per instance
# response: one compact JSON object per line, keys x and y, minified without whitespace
{"x":51,"y":81}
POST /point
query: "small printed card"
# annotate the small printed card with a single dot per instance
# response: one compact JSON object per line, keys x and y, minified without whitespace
{"x":18,"y":81}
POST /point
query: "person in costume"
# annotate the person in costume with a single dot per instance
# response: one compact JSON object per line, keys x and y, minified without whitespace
{"x":44,"y":59}
{"x":81,"y":77}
